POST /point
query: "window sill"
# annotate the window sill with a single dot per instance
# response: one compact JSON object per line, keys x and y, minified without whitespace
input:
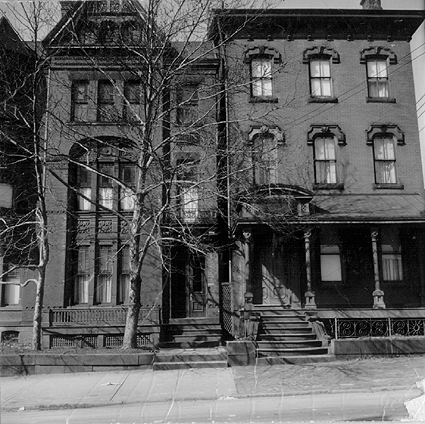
{"x":380,"y":100}
{"x":261,"y":99}
{"x":322,"y":100}
{"x":12,"y":307}
{"x":324,"y":186}
{"x":389,"y":186}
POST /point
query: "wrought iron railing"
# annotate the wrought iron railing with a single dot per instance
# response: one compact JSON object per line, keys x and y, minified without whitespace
{"x":117,"y":315}
{"x":342,"y":328}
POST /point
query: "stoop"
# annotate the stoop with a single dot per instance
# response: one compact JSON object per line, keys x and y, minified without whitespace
{"x":172,"y":359}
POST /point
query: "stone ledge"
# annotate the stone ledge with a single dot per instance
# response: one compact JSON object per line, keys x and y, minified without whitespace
{"x":25,"y":364}
{"x":385,"y":346}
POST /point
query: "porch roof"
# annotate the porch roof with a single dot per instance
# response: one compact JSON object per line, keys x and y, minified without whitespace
{"x":369,"y":207}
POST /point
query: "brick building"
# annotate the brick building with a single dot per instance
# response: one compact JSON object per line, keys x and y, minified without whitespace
{"x":329,"y":210}
{"x":288,"y":167}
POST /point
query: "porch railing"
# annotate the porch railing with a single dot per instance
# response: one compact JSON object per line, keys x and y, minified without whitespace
{"x":342,"y":328}
{"x":116,"y":315}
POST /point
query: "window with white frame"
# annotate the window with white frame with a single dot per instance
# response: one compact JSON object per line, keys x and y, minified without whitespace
{"x":83,"y":275}
{"x":330,"y":256}
{"x":104,"y":275}
{"x":261,"y":77}
{"x":105,"y":185}
{"x":188,"y":104}
{"x":12,"y":290}
{"x":80,"y":101}
{"x":264,"y":157}
{"x":325,"y":163}
{"x":84,"y":183}
{"x":320,"y":77}
{"x":384,"y":159}
{"x":106,"y":102}
{"x":377,"y":78}
{"x":128,"y":178}
{"x":132,"y":98}
{"x":391,"y":258}
{"x":188,"y":190}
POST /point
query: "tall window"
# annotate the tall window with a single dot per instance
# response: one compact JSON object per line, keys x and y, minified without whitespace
{"x":80,"y":101}
{"x":330,"y":256}
{"x":391,"y":259}
{"x":104,"y":277}
{"x":84,"y":187}
{"x":385,"y":160}
{"x":106,"y":108}
{"x":264,"y":160}
{"x":325,"y":160}
{"x":132,"y":96}
{"x":128,"y":177}
{"x":11,"y":292}
{"x":188,"y":190}
{"x":188,"y":104}
{"x":261,"y":77}
{"x":377,"y":78}
{"x":105,"y":189}
{"x":124,"y":275}
{"x":320,"y":77}
{"x":82,"y":277}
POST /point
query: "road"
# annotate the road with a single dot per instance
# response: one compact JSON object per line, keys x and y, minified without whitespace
{"x":335,"y":407}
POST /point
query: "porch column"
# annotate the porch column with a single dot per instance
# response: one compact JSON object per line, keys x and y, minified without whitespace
{"x":248,"y":251}
{"x":309,"y":294}
{"x":378,"y":294}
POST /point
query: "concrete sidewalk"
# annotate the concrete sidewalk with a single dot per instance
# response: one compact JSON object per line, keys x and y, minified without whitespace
{"x":56,"y":391}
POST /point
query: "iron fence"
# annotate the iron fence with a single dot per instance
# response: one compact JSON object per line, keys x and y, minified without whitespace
{"x":342,"y":328}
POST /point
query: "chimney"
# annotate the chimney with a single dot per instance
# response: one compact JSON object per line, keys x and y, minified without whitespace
{"x":371,"y":4}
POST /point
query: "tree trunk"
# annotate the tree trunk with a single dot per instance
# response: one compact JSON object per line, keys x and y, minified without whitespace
{"x":130,"y":333}
{"x":38,"y":311}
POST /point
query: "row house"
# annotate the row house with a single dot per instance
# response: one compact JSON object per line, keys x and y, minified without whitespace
{"x":327,"y":197}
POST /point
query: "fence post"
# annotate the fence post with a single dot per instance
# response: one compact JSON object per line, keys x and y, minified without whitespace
{"x":389,"y":327}
{"x":336,"y":328}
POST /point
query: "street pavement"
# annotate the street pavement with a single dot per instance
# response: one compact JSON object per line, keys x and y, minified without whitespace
{"x":142,"y":389}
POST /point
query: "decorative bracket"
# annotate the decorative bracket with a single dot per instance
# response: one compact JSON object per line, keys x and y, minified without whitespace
{"x":275,"y":132}
{"x":259,"y":51}
{"x":377,"y":51}
{"x":318,"y":51}
{"x":323,"y":130}
{"x":385,"y":130}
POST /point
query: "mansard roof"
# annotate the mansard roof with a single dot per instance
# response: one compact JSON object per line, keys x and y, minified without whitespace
{"x":316,"y":23}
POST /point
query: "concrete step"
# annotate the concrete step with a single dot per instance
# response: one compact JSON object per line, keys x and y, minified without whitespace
{"x":292,"y":352}
{"x":285,"y":325}
{"x":283,"y":318}
{"x":287,"y":336}
{"x":284,"y":344}
{"x":286,"y":331}
{"x":293,"y":360}
{"x":186,"y":365}
{"x":191,"y":355}
{"x":189,"y":344}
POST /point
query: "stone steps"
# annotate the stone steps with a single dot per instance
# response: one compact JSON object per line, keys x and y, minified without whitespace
{"x":286,"y":337}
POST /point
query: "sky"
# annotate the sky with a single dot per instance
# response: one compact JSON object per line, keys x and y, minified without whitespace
{"x":417,"y":44}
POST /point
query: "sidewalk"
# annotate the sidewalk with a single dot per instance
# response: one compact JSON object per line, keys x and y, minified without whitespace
{"x":56,"y":391}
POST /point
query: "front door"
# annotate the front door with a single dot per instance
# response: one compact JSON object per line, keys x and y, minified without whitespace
{"x":188,"y":293}
{"x":280,"y":274}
